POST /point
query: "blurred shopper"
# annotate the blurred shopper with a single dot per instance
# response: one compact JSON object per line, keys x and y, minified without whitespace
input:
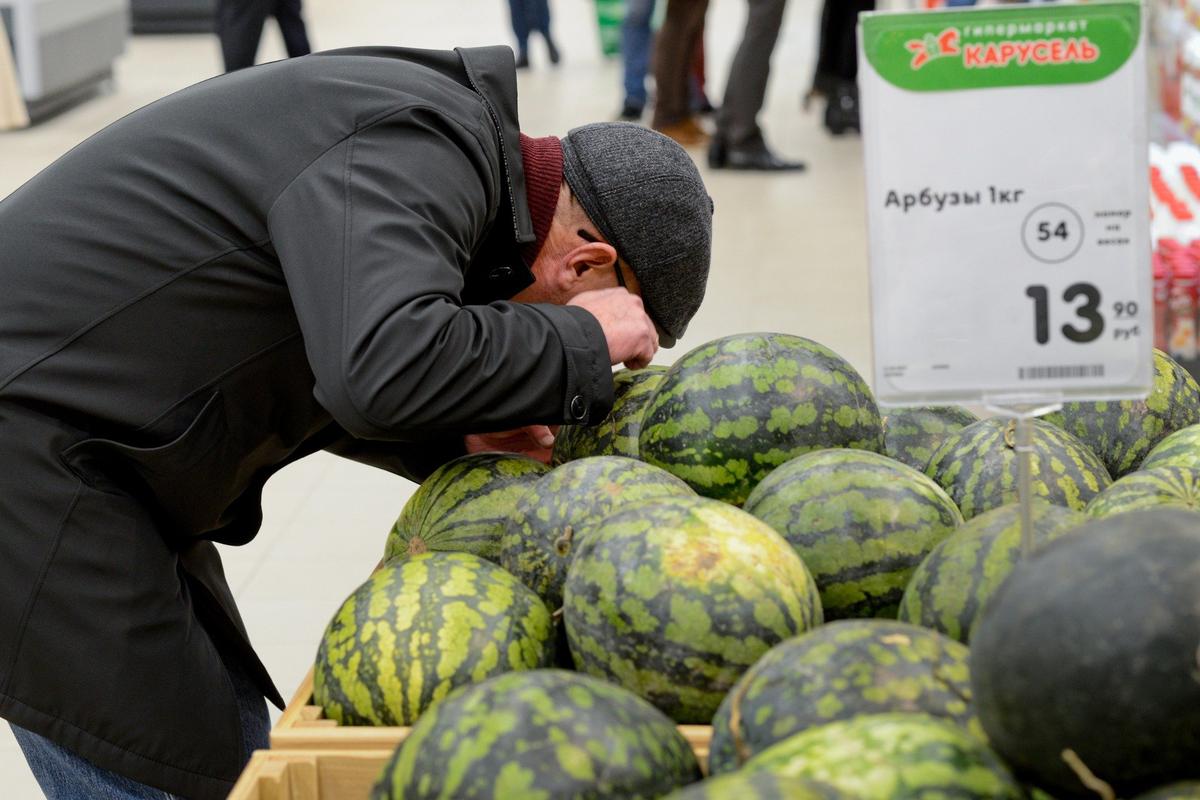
{"x":739,"y":142}
{"x":240,"y":24}
{"x":637,"y":41}
{"x":676,"y":46}
{"x":532,"y":16}
{"x":189,"y":306}
{"x":699,"y":80}
{"x":836,"y":75}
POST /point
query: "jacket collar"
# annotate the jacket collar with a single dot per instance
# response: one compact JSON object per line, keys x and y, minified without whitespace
{"x":493,"y":76}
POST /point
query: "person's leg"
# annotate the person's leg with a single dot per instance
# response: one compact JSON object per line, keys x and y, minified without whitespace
{"x":239,"y":27}
{"x":291,"y":25}
{"x":63,"y":775}
{"x":540,"y":10}
{"x":519,"y":11}
{"x":746,"y":89}
{"x":676,"y":40}
{"x":636,"y":36}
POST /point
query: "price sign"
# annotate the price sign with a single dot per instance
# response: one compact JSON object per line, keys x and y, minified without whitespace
{"x":1007,"y":192}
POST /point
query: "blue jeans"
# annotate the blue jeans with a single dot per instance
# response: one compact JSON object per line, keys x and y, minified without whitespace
{"x":529,"y":16}
{"x":63,"y":775}
{"x":636,"y":38}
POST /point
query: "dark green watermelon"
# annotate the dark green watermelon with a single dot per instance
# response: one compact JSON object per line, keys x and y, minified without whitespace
{"x":901,"y":756}
{"x":1178,"y":487}
{"x":1091,"y":646}
{"x":421,"y":627}
{"x":557,"y":511}
{"x":463,"y":506}
{"x":861,"y":522}
{"x":1180,"y":449}
{"x":912,"y":435}
{"x":617,"y":435}
{"x":978,"y":467}
{"x":730,"y":411}
{"x":1188,"y":790}
{"x":950,"y":588}
{"x":1123,"y":432}
{"x":541,"y":735}
{"x":836,"y":672}
{"x":674,"y":598}
{"x":758,"y":786}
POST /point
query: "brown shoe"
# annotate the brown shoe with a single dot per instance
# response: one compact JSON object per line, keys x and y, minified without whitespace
{"x":688,"y":133}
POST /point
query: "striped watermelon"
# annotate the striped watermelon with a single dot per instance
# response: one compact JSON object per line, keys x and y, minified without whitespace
{"x":949,"y":590}
{"x":617,"y":435}
{"x":902,"y":756}
{"x":1188,"y":790}
{"x":553,"y":516}
{"x":836,"y":672}
{"x":730,"y":411}
{"x":1180,"y":449}
{"x":1123,"y":432}
{"x":978,"y":467}
{"x":674,"y":598}
{"x":758,"y":786}
{"x":419,"y":628}
{"x":1178,"y":487}
{"x":463,"y":506}
{"x":912,"y":435}
{"x":541,"y":735}
{"x":861,"y":522}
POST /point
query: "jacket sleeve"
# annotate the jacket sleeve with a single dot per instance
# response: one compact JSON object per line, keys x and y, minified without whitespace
{"x":374,"y":238}
{"x":412,"y":460}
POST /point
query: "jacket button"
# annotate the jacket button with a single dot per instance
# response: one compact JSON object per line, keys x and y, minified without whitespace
{"x":500,"y":274}
{"x":578,"y":407}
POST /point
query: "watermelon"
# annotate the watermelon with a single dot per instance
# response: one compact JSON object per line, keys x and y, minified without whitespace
{"x":617,"y":435}
{"x":836,"y":672}
{"x":1180,"y":449}
{"x":978,"y":467}
{"x":1178,"y":487}
{"x":912,"y":435}
{"x":541,"y":735}
{"x":758,"y":786}
{"x":899,"y":756}
{"x":1123,"y":432}
{"x":674,"y":598}
{"x":950,"y":588}
{"x":553,"y":516}
{"x":420,"y":627}
{"x":1188,"y":790}
{"x":730,"y":411}
{"x":1091,"y":646}
{"x":463,"y":506}
{"x":861,"y":522}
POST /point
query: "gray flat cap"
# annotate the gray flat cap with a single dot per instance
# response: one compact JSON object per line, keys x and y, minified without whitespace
{"x":643,"y":192}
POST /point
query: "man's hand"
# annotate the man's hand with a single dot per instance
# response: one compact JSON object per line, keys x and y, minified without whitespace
{"x":535,"y":441}
{"x":632,"y":339}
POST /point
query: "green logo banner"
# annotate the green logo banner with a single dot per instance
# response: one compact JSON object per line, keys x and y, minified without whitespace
{"x":1032,"y":45}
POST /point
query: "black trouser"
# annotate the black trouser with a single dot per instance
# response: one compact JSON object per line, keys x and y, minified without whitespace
{"x":837,"y":56}
{"x":746,"y":89}
{"x":240,"y":24}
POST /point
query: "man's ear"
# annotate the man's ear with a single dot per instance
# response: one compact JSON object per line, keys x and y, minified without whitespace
{"x":590,"y":256}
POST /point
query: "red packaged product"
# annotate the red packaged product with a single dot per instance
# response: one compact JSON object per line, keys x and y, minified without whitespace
{"x":1162,"y":277}
{"x":1181,"y":302}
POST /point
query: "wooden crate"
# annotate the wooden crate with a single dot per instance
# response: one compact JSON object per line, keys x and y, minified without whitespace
{"x":303,"y":727}
{"x":306,"y":775}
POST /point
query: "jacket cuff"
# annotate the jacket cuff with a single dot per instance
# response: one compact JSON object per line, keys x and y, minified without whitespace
{"x":588,"y":388}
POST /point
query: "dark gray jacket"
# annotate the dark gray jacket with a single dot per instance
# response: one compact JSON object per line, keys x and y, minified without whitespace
{"x":306,"y":255}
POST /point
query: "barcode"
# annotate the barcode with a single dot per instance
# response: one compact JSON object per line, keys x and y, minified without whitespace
{"x":1053,"y":373}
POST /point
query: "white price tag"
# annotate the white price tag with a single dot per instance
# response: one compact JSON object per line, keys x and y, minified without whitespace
{"x":1007,"y":191}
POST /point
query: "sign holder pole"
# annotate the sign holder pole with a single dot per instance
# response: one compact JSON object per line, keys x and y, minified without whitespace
{"x":1022,"y":415}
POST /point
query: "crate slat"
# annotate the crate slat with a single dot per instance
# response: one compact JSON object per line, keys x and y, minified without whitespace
{"x":307,"y":775}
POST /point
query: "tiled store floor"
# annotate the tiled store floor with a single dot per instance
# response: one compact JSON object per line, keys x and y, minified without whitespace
{"x":790,"y":255}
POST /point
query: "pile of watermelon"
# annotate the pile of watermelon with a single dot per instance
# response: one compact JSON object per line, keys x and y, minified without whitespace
{"x":845,"y":597}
